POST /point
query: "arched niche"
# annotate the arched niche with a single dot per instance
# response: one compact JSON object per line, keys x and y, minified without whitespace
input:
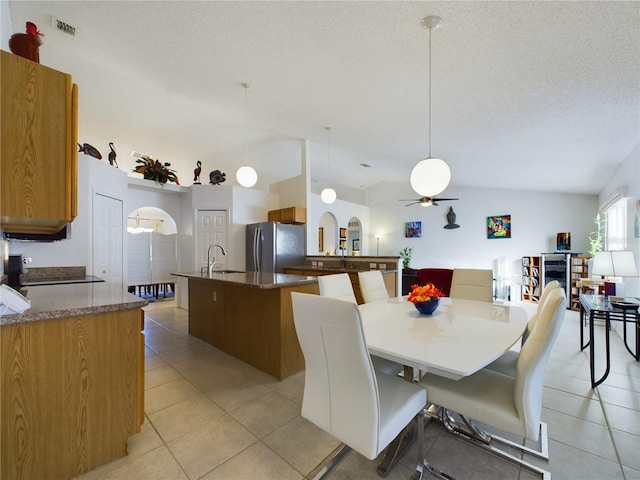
{"x":327,"y":234}
{"x":354,"y":236}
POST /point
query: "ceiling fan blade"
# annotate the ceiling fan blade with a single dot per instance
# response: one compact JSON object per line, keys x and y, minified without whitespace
{"x":409,"y":200}
{"x":437,"y":199}
{"x":409,"y":204}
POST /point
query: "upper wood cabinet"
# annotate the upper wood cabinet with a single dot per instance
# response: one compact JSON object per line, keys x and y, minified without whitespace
{"x":288,"y":215}
{"x":38,"y":159}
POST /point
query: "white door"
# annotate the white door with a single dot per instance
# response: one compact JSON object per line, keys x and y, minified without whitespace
{"x":107,"y":238}
{"x":211,"y":228}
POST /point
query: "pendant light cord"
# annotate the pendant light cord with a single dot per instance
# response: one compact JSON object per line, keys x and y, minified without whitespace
{"x":430,"y":30}
{"x":328,"y":150}
{"x":246,"y":136}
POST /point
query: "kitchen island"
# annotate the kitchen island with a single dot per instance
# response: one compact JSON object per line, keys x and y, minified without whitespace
{"x":249,"y":316}
{"x":72,"y":385}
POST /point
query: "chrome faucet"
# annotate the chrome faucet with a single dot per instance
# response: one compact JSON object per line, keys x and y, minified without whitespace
{"x":211,"y":264}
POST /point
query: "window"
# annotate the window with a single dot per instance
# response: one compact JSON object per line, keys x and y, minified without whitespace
{"x":615,"y":223}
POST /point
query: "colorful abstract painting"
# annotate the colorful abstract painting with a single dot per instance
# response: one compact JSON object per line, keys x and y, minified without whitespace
{"x":413,"y":229}
{"x":499,"y":226}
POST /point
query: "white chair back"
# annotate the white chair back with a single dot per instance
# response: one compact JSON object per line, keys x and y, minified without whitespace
{"x":549,"y":287}
{"x":340,"y":389}
{"x":533,"y":359}
{"x":472,"y":284}
{"x":337,"y":286}
{"x":372,"y":286}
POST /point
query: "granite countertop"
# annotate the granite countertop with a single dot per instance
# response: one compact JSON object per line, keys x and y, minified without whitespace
{"x":337,"y":269}
{"x":253,"y":279}
{"x":57,"y":301}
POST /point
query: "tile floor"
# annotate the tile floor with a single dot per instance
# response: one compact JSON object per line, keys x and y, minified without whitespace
{"x":212,"y":417}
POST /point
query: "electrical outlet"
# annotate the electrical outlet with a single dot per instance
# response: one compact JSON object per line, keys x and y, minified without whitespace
{"x":314,"y":264}
{"x":382,"y":266}
{"x":319,"y":264}
{"x":372,"y":266}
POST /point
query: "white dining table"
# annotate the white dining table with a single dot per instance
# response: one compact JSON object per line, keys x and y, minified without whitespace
{"x":457,"y":340}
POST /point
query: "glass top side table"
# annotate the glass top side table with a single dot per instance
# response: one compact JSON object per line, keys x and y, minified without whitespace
{"x":600,"y":307}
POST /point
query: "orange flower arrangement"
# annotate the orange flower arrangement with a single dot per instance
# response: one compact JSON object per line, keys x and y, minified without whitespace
{"x":425,"y":293}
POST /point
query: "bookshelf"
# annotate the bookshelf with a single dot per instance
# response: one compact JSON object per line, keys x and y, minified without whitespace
{"x":579,"y":270}
{"x":531,"y":279}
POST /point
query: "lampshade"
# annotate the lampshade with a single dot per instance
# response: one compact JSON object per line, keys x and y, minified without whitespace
{"x":603,"y":264}
{"x":247,"y":176}
{"x":615,"y":263}
{"x":624,"y":264}
{"x":328,"y":195}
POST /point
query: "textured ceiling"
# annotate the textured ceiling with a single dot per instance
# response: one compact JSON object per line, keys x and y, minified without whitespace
{"x":531,"y":95}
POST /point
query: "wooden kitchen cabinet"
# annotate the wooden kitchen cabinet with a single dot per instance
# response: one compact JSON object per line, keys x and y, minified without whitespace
{"x":71,"y":393}
{"x":38,"y":155}
{"x":288,"y":215}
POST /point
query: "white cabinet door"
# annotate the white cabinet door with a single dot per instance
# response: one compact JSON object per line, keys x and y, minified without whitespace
{"x":108,"y":227}
{"x":211,"y":228}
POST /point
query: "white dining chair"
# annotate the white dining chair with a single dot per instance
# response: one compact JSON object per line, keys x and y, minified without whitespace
{"x":339,"y":286}
{"x":372,"y":286}
{"x":506,"y":364}
{"x":472,"y":284}
{"x":509,"y":403}
{"x":343,"y":394}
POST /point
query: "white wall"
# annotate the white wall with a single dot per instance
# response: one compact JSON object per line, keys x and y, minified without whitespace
{"x":343,"y":211}
{"x":5,"y":26}
{"x":536,"y":218}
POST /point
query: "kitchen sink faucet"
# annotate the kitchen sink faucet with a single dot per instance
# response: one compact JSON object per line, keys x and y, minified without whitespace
{"x":211,"y":264}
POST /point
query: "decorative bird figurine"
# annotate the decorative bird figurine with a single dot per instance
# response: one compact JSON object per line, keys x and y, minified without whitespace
{"x":89,"y":150}
{"x":112,"y":155}
{"x":26,"y":44}
{"x":196,"y":173}
{"x":217,"y":177}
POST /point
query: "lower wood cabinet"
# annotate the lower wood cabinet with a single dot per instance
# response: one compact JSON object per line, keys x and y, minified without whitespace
{"x":70,"y":393}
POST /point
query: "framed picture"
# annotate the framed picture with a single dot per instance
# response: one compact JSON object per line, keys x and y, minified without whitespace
{"x":320,"y":239}
{"x":355,"y":245}
{"x":343,"y":233}
{"x":413,"y":229}
{"x":499,"y":226}
{"x":563,"y":241}
{"x":343,"y":244}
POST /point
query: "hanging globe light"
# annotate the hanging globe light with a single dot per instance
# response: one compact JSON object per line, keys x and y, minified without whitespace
{"x":247,"y":176}
{"x":430,"y":176}
{"x":328,"y":195}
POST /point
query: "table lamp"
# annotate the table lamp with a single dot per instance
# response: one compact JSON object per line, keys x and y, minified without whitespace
{"x":614,"y":263}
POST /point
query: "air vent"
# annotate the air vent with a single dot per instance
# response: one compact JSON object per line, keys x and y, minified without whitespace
{"x":63,"y":26}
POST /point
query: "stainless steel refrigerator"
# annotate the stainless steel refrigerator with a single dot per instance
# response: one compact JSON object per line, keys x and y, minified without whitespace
{"x":273,"y":246}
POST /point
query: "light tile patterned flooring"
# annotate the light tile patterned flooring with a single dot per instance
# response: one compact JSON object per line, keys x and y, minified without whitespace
{"x":212,"y":417}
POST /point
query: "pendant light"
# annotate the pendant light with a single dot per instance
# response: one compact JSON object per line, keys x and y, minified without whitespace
{"x":328,"y":195}
{"x":246,"y":175}
{"x":430,"y":176}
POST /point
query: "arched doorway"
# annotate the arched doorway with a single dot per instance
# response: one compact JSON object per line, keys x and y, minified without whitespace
{"x":327,"y":234}
{"x":354,"y":237}
{"x":151,"y":252}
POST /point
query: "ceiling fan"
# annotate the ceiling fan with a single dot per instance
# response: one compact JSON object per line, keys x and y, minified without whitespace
{"x":426,"y":201}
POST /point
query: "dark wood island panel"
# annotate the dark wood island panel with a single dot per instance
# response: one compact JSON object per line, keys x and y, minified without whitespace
{"x":253,"y":324}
